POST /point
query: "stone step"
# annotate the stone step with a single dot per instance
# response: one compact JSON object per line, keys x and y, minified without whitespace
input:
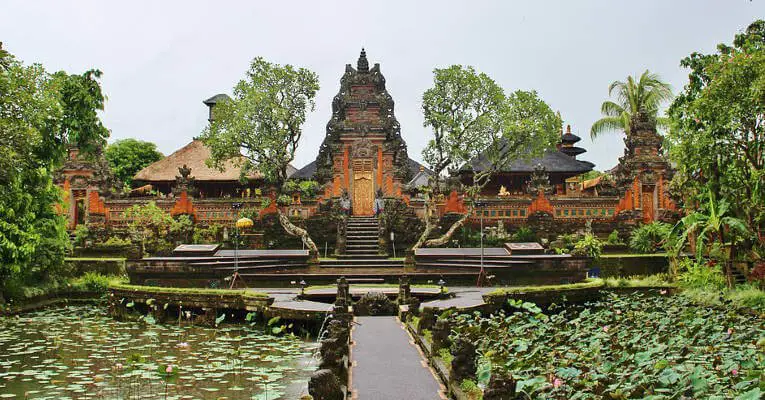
{"x":355,"y":252}
{"x":359,"y":256}
{"x":362,"y":240}
{"x":363,"y":230}
{"x":362,"y":246}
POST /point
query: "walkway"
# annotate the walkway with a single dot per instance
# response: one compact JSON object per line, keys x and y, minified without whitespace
{"x":387,"y":365}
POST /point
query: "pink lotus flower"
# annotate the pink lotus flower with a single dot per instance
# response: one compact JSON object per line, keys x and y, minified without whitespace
{"x":118,"y":366}
{"x":662,"y":291}
{"x":734,"y":372}
{"x":605,"y":328}
{"x":169,"y":369}
{"x":183,"y":345}
{"x":557,"y":382}
{"x":618,"y":312}
{"x":730,"y":331}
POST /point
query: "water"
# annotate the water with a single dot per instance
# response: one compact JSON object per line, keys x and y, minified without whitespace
{"x":79,"y":352}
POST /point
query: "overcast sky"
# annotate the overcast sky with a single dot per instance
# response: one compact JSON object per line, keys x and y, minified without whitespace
{"x":161,"y":59}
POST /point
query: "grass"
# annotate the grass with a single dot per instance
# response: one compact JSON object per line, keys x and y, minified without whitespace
{"x":51,"y":288}
{"x":658,"y":281}
{"x":633,"y":255}
{"x":589,"y":283}
{"x":95,"y":259}
{"x":743,"y":296}
{"x":446,"y":357}
{"x":189,"y":291}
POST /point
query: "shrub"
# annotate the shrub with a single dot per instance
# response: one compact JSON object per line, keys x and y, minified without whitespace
{"x":471,"y":389}
{"x":748,"y":296}
{"x":650,"y":238}
{"x":589,"y":246}
{"x":613,"y":238}
{"x":696,"y":275}
{"x":94,"y":282}
{"x":115,"y":241}
{"x":81,"y":234}
{"x":524,"y":234}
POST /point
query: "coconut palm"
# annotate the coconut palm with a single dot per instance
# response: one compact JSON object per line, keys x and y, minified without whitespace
{"x":641,"y":96}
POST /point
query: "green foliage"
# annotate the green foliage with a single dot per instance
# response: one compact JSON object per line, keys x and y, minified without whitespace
{"x":589,"y":246}
{"x":717,"y":138}
{"x":264,"y":118}
{"x":81,"y":234}
{"x":700,"y":275}
{"x":641,"y":97}
{"x":446,"y":356}
{"x":471,"y":389}
{"x":128,"y":156}
{"x":613,"y":238}
{"x":150,"y":226}
{"x":470,"y":116}
{"x":524,"y":234}
{"x":207,"y":235}
{"x":641,"y":345}
{"x":652,"y":281}
{"x":115,"y":242}
{"x":95,"y":282}
{"x":41,"y":114}
{"x":650,"y":238}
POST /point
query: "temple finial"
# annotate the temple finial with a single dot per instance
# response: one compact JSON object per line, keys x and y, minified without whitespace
{"x":363,"y":64}
{"x":568,"y":128}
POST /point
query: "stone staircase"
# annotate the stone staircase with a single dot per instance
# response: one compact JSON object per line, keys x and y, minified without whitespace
{"x":362,"y":237}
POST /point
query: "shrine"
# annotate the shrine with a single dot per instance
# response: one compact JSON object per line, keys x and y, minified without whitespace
{"x":363,"y":152}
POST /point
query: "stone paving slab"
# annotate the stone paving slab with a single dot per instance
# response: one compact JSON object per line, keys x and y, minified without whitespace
{"x":387,"y":365}
{"x":465,"y":298}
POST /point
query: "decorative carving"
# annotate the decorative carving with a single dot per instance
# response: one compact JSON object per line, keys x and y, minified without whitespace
{"x":464,"y":361}
{"x":184,"y":182}
{"x":540,"y":181}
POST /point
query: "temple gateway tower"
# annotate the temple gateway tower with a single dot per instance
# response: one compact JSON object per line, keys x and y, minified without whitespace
{"x":363,"y":151}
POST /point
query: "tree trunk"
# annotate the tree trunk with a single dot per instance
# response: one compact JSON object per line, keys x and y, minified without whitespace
{"x":295,"y":230}
{"x":439,"y":241}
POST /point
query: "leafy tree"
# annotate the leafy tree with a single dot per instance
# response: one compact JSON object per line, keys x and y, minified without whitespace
{"x":635,"y":97}
{"x":40,"y":115}
{"x":150,"y":226}
{"x":128,"y":156}
{"x":470,"y":117}
{"x":717,"y":134}
{"x":264,"y":119}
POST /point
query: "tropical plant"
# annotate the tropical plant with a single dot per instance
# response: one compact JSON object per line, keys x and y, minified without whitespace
{"x":712,"y":225}
{"x":613,"y":238}
{"x":635,"y":97}
{"x":524,"y":234}
{"x":695,"y":274}
{"x":150,"y":226}
{"x":265,"y":119}
{"x":589,"y":245}
{"x":650,"y":238}
{"x":717,"y":136}
{"x":472,"y":119}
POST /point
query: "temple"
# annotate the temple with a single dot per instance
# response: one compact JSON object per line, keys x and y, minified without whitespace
{"x":364,"y":155}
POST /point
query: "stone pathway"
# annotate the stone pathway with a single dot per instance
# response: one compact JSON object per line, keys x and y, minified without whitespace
{"x":386,"y":364}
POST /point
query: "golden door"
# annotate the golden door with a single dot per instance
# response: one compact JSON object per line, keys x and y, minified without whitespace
{"x":363,"y":188}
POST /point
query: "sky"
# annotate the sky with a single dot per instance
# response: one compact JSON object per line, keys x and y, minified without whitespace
{"x":161,"y":59}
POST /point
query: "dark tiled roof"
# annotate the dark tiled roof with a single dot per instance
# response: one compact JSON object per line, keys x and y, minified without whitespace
{"x":552,"y":160}
{"x":569,"y":138}
{"x":217,"y":98}
{"x":572,"y":151}
{"x":309,"y":170}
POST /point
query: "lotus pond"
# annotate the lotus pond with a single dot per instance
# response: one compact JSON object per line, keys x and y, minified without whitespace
{"x":641,"y":346}
{"x":79,"y":352}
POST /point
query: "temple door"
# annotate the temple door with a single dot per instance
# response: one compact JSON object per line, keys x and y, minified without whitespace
{"x":649,"y":209}
{"x":363,"y":187}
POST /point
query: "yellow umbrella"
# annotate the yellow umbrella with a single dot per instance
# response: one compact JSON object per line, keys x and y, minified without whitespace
{"x":244,"y":223}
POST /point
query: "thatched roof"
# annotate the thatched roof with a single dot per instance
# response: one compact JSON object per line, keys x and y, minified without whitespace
{"x":193,"y":155}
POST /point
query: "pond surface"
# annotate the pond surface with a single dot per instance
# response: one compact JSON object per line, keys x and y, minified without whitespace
{"x":79,"y":352}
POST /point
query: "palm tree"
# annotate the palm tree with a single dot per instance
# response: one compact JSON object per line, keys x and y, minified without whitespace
{"x":633,"y":98}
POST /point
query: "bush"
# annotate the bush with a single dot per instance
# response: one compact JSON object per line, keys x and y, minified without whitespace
{"x":696,"y":275}
{"x":650,"y":238}
{"x":524,"y":234}
{"x":115,"y":241}
{"x":613,"y":238}
{"x":81,"y":234}
{"x":589,"y":246}
{"x":94,"y":282}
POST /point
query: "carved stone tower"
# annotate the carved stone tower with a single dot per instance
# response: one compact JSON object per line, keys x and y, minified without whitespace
{"x":363,"y":151}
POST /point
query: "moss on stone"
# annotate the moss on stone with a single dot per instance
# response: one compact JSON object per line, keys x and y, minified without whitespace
{"x":190,"y":291}
{"x":590,"y":283}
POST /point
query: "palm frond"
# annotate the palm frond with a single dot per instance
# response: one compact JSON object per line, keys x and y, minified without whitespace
{"x":611,"y":109}
{"x":606,"y":124}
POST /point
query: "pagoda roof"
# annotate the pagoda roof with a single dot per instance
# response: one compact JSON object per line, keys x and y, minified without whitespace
{"x":216,"y":99}
{"x":569,"y":138}
{"x":553,"y":161}
{"x":194,"y":155}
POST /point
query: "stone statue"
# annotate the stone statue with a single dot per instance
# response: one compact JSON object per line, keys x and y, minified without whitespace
{"x":324,"y":385}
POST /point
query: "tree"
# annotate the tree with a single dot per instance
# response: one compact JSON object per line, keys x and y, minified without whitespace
{"x":150,"y":226}
{"x":264,"y":120}
{"x":717,"y":131}
{"x":40,"y":114}
{"x":635,"y":97}
{"x":128,"y":156}
{"x":471,"y":118}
